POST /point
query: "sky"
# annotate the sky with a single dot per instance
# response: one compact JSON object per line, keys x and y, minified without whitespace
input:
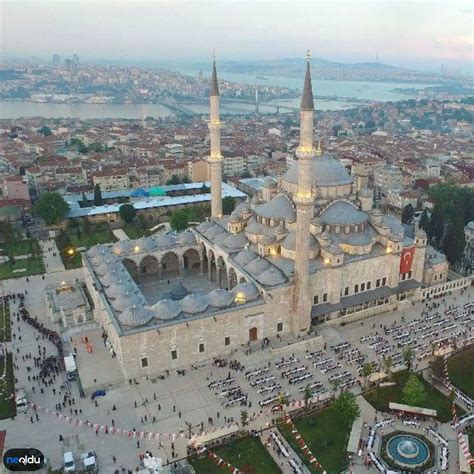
{"x":421,"y":34}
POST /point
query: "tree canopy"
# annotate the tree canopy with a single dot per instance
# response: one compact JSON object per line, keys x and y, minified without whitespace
{"x":407,"y":214}
{"x":181,"y":219}
{"x":46,"y":131}
{"x":98,"y":201}
{"x":127,"y":213}
{"x":228,"y":205}
{"x":413,"y":392}
{"x":51,"y":207}
{"x":346,"y":405}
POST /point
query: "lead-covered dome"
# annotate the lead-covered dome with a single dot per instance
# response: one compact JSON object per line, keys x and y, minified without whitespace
{"x":194,"y":304}
{"x":327,"y":171}
{"x":245,"y":256}
{"x":136,"y":316}
{"x":342,"y":213}
{"x":245,"y":292}
{"x":220,"y":298}
{"x":166,"y":309}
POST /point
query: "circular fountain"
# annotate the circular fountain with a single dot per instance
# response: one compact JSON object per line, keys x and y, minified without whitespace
{"x":408,"y":450}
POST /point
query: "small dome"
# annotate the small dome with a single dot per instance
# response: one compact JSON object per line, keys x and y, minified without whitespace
{"x":245,"y":256}
{"x":220,"y":298}
{"x":342,"y":213}
{"x":213,"y":232}
{"x":145,"y":244}
{"x":194,"y":304}
{"x":253,"y":227}
{"x":99,"y":259}
{"x":117,"y":291}
{"x":233,"y":219}
{"x":164,"y":241}
{"x":106,"y":267}
{"x":136,"y":316}
{"x":257,"y":266}
{"x":127,"y":300}
{"x":203,"y":226}
{"x":166,"y":309}
{"x":235,"y":241}
{"x":186,"y":238}
{"x":177,"y":291}
{"x":99,"y":249}
{"x":271,"y":277}
{"x":220,"y":238}
{"x":245,"y":292}
{"x":122,"y":247}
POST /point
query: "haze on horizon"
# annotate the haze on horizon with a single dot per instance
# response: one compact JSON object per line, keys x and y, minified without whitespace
{"x":421,"y":34}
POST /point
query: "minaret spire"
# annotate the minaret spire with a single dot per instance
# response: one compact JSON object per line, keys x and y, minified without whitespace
{"x":304,"y":200}
{"x":215,"y":158}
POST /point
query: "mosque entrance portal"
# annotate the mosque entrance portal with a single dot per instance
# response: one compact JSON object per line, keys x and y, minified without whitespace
{"x":253,"y":336}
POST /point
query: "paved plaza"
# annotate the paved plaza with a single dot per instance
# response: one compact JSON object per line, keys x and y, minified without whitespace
{"x":173,"y":403}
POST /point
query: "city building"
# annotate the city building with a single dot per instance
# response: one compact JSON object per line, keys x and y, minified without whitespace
{"x":15,"y":187}
{"x":306,"y":248}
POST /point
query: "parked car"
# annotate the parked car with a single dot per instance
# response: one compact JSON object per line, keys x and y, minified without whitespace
{"x":89,"y":460}
{"x":69,"y":464}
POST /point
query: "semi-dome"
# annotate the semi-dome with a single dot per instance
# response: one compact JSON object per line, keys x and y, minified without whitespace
{"x":289,"y":242}
{"x":257,"y":266}
{"x":194,"y":304}
{"x":342,"y":213}
{"x":136,"y":316}
{"x":220,"y":298}
{"x":271,"y":277}
{"x":186,"y":238}
{"x":277,"y":208}
{"x":327,"y":171}
{"x":177,"y":291}
{"x":166,"y":309}
{"x":245,"y":292}
{"x":245,"y":256}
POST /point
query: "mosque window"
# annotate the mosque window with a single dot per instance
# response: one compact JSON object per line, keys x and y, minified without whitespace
{"x":362,"y":287}
{"x":369,"y":284}
{"x":202,"y":347}
{"x":325,"y":297}
{"x":356,"y":288}
{"x":144,"y":362}
{"x":377,"y":283}
{"x":316,"y":299}
{"x":346,"y":291}
{"x":227,"y":341}
{"x":279,"y":327}
{"x":174,"y":354}
{"x":338,"y":229}
{"x":384,"y":281}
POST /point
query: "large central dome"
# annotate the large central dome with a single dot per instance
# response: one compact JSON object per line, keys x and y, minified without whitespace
{"x":327,"y":171}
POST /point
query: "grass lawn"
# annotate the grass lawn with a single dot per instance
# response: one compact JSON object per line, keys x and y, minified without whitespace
{"x":7,"y":388}
{"x":134,"y":231}
{"x":247,"y":454}
{"x":93,"y":237}
{"x":5,"y":329}
{"x":382,"y":396}
{"x":326,"y":435}
{"x":21,"y":247}
{"x":461,"y":370}
{"x":33,"y":267}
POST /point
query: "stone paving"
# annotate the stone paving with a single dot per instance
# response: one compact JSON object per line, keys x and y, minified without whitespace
{"x":51,"y":257}
{"x":180,"y":400}
{"x":120,"y":234}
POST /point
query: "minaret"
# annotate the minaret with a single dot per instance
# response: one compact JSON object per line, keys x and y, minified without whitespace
{"x":215,"y":158}
{"x":304,"y":200}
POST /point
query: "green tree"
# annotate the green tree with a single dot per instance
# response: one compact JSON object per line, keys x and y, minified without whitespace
{"x":244,"y":417}
{"x":179,"y":220}
{"x":11,"y":259}
{"x":194,"y":214}
{"x":142,"y":222}
{"x":127,"y":213}
{"x":45,"y":131}
{"x":424,"y":221}
{"x":413,"y":392}
{"x":205,"y":189}
{"x":308,"y":393}
{"x":346,"y":405}
{"x":84,"y":201}
{"x":8,"y":234}
{"x":228,"y":205}
{"x":436,"y":227}
{"x":86,"y":226}
{"x":455,"y":241}
{"x":407,"y":214}
{"x":63,"y":241}
{"x":408,"y":356}
{"x":175,"y":179}
{"x":51,"y":207}
{"x":388,"y":363}
{"x":437,"y":367}
{"x":367,"y":370}
{"x":98,"y":201}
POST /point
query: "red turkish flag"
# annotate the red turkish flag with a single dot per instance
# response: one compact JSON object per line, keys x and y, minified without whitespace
{"x":406,"y":259}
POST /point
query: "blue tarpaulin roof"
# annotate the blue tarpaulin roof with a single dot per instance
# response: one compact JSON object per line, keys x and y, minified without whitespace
{"x":140,"y":192}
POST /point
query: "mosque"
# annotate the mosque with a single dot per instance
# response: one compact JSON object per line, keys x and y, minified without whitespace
{"x":308,"y":248}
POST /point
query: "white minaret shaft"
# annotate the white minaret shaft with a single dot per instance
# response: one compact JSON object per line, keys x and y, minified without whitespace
{"x":304,"y":207}
{"x":215,"y":158}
